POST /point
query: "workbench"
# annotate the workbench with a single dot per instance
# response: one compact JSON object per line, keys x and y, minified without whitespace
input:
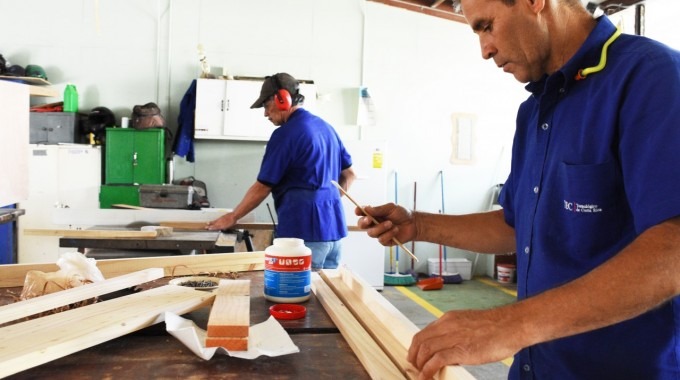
{"x":154,"y":353}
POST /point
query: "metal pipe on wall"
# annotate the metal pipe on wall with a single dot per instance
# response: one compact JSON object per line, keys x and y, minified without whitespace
{"x":640,"y":19}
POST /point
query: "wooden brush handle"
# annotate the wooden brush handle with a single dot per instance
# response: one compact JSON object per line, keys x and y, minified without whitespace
{"x":372,"y":218}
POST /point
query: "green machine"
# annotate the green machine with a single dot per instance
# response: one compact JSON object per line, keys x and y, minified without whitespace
{"x":133,"y":157}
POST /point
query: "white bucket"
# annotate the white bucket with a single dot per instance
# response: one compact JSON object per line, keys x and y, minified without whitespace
{"x":506,"y":273}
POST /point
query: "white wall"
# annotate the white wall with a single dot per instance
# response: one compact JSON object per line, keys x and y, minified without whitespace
{"x":419,"y":70}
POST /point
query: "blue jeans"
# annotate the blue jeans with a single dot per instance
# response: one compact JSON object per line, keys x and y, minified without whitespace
{"x":325,"y":254}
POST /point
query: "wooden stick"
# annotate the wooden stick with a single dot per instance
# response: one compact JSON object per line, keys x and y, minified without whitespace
{"x":372,"y":218}
{"x":54,"y":336}
{"x":375,"y":361}
{"x":103,"y":234}
{"x":14,"y":274}
{"x":200,"y":226}
{"x":51,"y":301}
{"x":129,"y":207}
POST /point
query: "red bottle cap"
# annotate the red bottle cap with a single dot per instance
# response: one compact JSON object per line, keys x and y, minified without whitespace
{"x":287,"y":311}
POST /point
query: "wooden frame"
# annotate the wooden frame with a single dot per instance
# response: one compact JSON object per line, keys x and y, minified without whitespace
{"x":388,"y":327}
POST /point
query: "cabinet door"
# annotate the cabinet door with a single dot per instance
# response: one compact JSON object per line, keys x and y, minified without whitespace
{"x":119,"y":156}
{"x":309,"y":91}
{"x":241,"y":121}
{"x":210,"y":103}
{"x":135,"y":156}
{"x":223,"y":109}
{"x":148,"y":163}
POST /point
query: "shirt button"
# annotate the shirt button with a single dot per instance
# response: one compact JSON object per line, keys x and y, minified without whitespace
{"x":526,"y":367}
{"x":545,"y":126}
{"x":526,"y":250}
{"x":562,"y":90}
{"x":535,"y":189}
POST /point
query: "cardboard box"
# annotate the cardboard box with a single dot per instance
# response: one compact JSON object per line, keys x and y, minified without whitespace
{"x":450,"y":266}
{"x":166,"y":196}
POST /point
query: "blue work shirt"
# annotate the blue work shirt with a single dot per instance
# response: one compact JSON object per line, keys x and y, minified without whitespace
{"x":595,"y":163}
{"x":302,"y":156}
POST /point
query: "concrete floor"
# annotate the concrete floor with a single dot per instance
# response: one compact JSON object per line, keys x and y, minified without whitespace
{"x":423,"y":307}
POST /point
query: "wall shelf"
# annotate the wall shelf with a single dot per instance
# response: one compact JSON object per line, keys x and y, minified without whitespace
{"x":36,"y":86}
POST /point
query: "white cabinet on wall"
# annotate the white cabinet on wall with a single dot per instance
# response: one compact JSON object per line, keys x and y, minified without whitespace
{"x":60,"y":176}
{"x":223,"y":109}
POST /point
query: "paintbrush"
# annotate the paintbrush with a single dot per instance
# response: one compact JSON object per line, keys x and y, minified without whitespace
{"x":372,"y":218}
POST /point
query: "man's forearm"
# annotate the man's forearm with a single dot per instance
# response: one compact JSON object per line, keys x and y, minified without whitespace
{"x":483,"y":232}
{"x":255,"y":195}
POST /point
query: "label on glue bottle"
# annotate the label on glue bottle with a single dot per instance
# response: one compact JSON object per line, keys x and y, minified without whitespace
{"x":287,"y":271}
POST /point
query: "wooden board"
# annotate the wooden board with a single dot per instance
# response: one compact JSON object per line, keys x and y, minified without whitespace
{"x":26,"y":80}
{"x":199,"y":226}
{"x":14,"y":274}
{"x":41,"y":340}
{"x":51,"y":301}
{"x":230,"y":313}
{"x":43,"y":91}
{"x":92,"y":234}
{"x":370,"y":354}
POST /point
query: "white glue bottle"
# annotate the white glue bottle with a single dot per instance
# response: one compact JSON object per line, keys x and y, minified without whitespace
{"x":287,"y":271}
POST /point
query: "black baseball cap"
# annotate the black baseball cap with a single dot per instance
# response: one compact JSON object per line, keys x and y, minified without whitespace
{"x":274,"y":83}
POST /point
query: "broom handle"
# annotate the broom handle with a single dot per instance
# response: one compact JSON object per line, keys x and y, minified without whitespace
{"x":413,"y":243}
{"x":441,"y":176}
{"x":396,"y":201}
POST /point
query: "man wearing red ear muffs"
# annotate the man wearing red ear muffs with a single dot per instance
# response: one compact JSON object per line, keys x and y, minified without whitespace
{"x":303,"y":155}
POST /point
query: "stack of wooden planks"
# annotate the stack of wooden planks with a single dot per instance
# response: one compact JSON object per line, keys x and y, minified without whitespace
{"x":229,"y":320}
{"x":38,"y":340}
{"x":378,"y":333}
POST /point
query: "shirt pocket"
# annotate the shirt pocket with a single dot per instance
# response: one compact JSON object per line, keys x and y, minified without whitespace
{"x":594,"y":206}
{"x":591,"y":187}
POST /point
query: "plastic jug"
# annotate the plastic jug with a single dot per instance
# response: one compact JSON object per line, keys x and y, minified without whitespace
{"x":70,"y":98}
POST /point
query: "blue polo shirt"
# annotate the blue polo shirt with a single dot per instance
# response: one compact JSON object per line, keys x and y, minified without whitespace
{"x":595,"y":163}
{"x":302,"y":156}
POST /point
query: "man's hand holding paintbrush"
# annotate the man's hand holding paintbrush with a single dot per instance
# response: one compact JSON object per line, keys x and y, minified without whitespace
{"x":387,"y":232}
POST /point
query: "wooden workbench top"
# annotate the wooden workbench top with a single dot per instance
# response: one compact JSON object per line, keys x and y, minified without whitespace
{"x":154,"y":353}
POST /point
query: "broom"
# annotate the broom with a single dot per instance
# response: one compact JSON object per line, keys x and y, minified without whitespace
{"x":397,"y":278}
{"x":449,"y":278}
{"x":412,"y":271}
{"x":434,"y":282}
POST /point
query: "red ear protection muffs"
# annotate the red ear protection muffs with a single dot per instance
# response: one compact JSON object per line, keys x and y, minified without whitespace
{"x":282,"y":97}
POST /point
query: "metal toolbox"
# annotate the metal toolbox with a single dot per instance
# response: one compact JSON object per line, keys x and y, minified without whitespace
{"x":52,"y":127}
{"x":166,"y":196}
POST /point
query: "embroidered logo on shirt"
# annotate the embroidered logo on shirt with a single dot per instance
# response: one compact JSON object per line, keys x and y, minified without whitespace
{"x":585,"y":208}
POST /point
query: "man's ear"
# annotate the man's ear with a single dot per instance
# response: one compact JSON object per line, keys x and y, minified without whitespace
{"x":535,"y":5}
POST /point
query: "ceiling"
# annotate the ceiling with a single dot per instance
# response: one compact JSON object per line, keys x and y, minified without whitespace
{"x":450,"y":9}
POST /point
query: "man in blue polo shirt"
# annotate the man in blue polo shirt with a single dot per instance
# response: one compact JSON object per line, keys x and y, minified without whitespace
{"x":302,"y":156}
{"x":591,"y":205}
